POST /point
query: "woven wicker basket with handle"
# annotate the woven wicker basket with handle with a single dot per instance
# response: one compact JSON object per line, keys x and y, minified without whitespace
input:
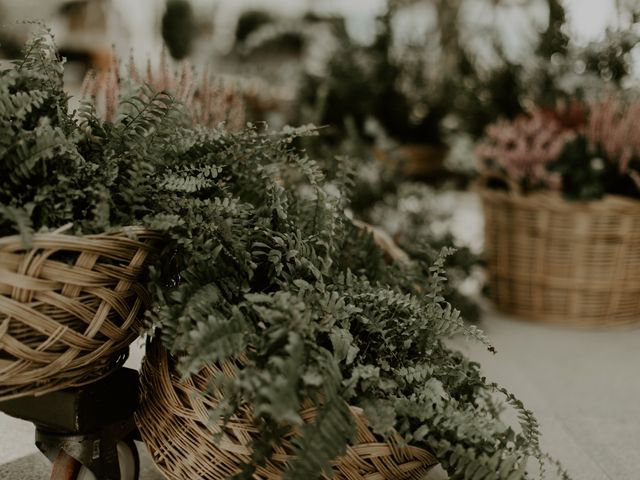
{"x":173,"y":419}
{"x":554,"y":260}
{"x":69,"y":307}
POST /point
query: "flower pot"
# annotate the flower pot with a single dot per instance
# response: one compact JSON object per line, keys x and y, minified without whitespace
{"x":173,"y":419}
{"x":414,"y":159}
{"x":69,"y":307}
{"x":554,"y":260}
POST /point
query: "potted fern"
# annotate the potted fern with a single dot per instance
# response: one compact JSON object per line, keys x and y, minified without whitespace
{"x":285,"y":344}
{"x":289,"y":347}
{"x":561,"y":204}
{"x":72,"y":255}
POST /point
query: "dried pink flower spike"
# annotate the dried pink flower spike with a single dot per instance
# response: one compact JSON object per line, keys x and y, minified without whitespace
{"x":615,"y":127}
{"x":523,"y":148}
{"x":210,"y":101}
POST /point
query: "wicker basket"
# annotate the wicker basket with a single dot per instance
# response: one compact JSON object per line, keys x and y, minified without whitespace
{"x":553,"y":260}
{"x":414,"y":159}
{"x":69,"y":307}
{"x":173,"y":420}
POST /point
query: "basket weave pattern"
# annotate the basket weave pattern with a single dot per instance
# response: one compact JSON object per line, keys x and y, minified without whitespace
{"x":173,"y":419}
{"x":558,"y":261}
{"x":69,"y":307}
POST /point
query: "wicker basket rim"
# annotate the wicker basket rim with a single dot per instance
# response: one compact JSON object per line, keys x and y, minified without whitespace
{"x":135,"y":230}
{"x":554,"y":200}
{"x":63,"y":319}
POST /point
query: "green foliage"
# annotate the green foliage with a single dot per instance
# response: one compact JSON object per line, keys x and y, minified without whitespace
{"x":490,"y":95}
{"x":39,"y":144}
{"x":317,"y":318}
{"x":610,"y":58}
{"x":260,"y":262}
{"x":415,"y":217}
{"x":556,"y":69}
{"x":178,"y":28}
{"x":554,"y":39}
{"x":588,"y":173}
{"x":275,"y":40}
{"x":372,"y":82}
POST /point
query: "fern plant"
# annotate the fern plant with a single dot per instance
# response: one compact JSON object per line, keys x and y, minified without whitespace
{"x":260,"y":261}
{"x":44,"y":173}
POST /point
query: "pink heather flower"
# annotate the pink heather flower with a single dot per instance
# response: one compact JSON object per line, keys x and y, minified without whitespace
{"x":210,"y":101}
{"x":523,"y":148}
{"x":614,"y":127}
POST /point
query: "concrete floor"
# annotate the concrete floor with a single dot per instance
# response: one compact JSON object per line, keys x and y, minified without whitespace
{"x":582,"y":385}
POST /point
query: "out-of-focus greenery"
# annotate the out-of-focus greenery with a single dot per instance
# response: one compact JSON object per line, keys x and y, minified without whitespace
{"x":178,"y":28}
{"x":372,"y":82}
{"x":249,"y":21}
{"x":557,"y":69}
{"x":423,"y":90}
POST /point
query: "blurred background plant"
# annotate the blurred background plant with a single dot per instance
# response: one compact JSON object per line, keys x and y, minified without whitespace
{"x":210,"y":101}
{"x":604,"y":155}
{"x":594,"y":152}
{"x":402,"y":90}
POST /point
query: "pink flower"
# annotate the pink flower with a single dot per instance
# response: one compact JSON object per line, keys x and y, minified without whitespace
{"x":522,"y":149}
{"x":615,"y":128}
{"x":210,"y":101}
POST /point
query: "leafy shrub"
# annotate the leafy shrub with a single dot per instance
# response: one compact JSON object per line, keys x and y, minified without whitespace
{"x":557,"y":69}
{"x":250,"y":21}
{"x":45,"y":177}
{"x":420,"y":224}
{"x":604,"y":156}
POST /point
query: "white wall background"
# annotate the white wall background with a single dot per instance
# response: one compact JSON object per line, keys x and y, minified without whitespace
{"x":134,"y":24}
{"x":588,"y":19}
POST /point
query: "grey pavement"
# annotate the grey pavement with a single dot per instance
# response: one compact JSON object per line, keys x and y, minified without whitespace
{"x":583,"y":386}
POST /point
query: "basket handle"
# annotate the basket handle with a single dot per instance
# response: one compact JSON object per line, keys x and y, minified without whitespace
{"x":486,"y":177}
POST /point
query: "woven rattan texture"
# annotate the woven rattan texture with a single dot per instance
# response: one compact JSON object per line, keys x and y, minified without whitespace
{"x":173,"y":419}
{"x":558,"y":261}
{"x":69,"y":307}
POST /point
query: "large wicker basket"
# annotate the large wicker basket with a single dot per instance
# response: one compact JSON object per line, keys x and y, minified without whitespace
{"x":69,"y":307}
{"x":173,"y":419}
{"x":554,"y":260}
